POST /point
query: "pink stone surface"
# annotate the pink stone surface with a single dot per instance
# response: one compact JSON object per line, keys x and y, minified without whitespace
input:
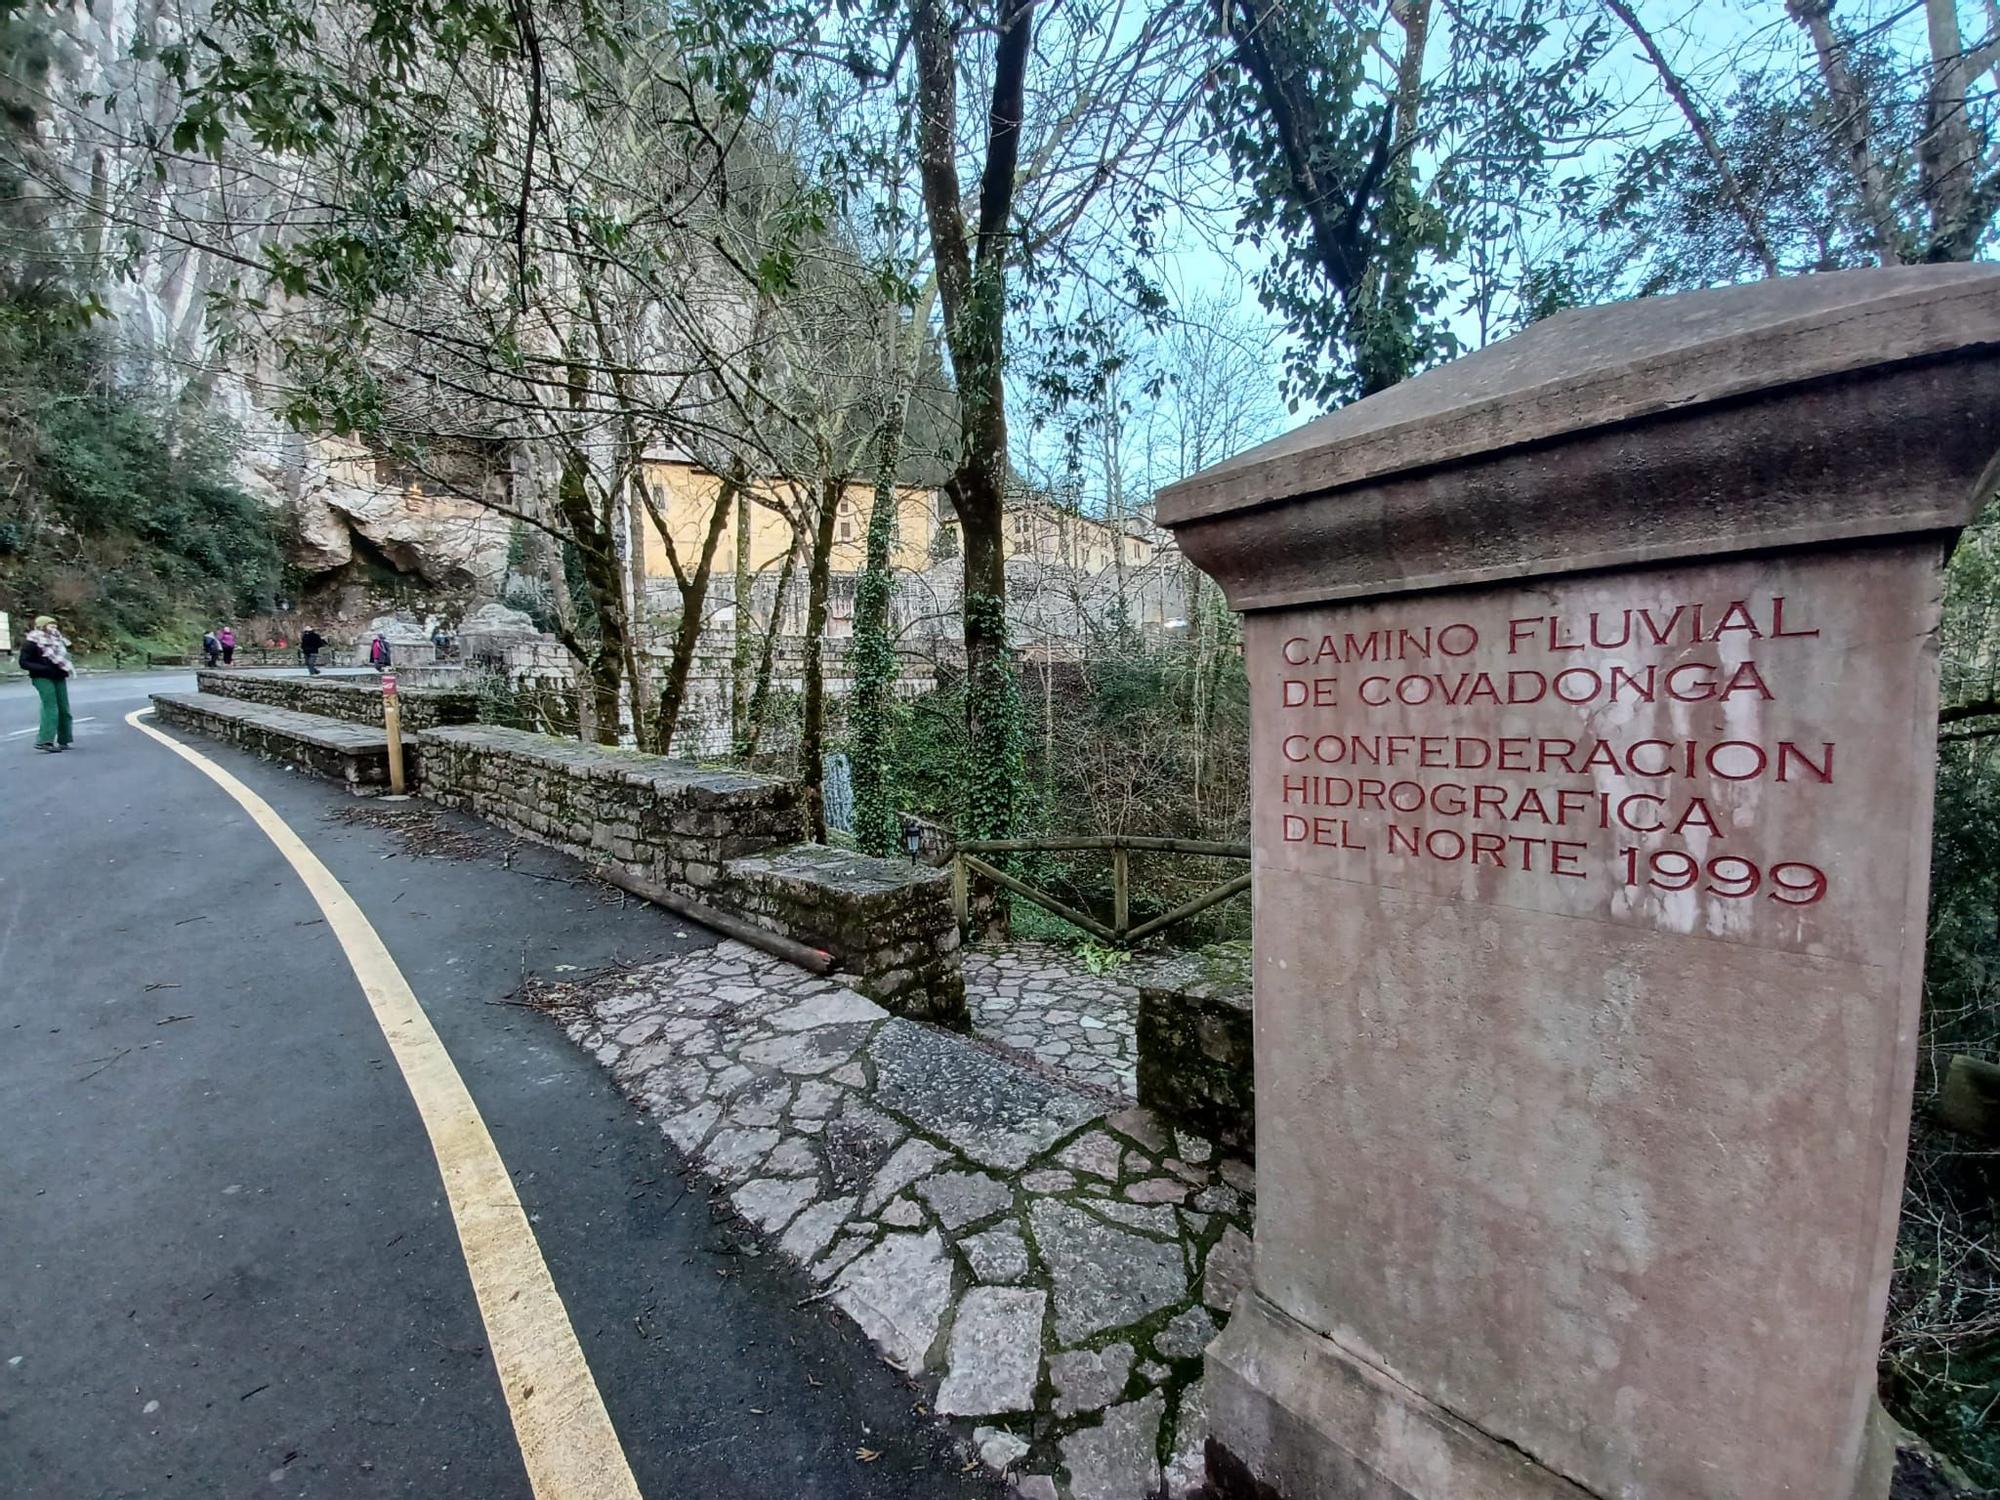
{"x":1596,"y":1141}
{"x":1587,"y":977}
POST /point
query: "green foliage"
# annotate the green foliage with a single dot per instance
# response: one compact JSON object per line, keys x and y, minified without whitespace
{"x":1941,"y":1349}
{"x":1301,"y":72}
{"x":1940,"y":1366}
{"x":874,"y":668}
{"x":926,"y":757}
{"x":996,"y":760}
{"x":1670,"y":210}
{"x":1962,"y":956}
{"x":118,"y":508}
{"x":1141,"y":739}
{"x":1365,"y":179}
{"x":1100,"y":960}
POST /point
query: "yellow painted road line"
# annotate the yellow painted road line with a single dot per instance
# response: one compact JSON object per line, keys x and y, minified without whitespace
{"x":567,"y":1442}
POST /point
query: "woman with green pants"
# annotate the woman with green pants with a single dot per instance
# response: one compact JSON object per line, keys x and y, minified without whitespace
{"x":45,"y":656}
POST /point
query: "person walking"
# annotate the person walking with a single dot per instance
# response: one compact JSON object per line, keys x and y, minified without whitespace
{"x":226,"y":638}
{"x":310,"y":645}
{"x":45,"y":658}
{"x":211,"y":649}
{"x":378,"y":654}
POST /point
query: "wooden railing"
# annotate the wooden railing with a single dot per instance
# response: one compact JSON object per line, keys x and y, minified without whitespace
{"x":966,"y":862}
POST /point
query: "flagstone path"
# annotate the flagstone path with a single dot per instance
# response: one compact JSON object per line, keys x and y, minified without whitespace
{"x":1053,"y":1263}
{"x":1040,"y":1001}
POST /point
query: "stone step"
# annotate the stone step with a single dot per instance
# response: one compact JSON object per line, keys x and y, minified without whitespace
{"x":355,"y":755}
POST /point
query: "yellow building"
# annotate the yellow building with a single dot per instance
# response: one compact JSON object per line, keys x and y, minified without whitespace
{"x":1051,"y":534}
{"x":926,"y":528}
{"x":686,"y":495}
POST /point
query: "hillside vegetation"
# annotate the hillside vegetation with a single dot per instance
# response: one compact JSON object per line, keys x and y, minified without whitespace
{"x":119,"y":511}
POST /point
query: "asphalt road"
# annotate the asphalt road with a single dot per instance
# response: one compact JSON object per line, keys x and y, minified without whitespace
{"x":227,"y":1267}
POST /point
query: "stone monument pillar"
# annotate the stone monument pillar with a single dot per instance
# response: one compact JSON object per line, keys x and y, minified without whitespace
{"x":1593,"y":683}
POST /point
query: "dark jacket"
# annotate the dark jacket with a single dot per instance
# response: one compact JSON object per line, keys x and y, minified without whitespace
{"x":310,"y":642}
{"x":35,"y":661}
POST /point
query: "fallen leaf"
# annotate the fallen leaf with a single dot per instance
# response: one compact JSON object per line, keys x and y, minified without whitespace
{"x":866,"y":1455}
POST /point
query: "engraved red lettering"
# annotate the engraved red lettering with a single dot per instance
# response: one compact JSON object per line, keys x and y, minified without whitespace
{"x":1464,"y":635}
{"x":1788,"y":753}
{"x":1778,"y":619}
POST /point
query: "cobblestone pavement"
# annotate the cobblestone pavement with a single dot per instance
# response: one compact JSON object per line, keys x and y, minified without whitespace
{"x":1054,"y":1269}
{"x":1039,"y":1000}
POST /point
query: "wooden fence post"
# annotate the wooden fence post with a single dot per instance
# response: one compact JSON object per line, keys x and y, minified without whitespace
{"x":1121,"y":889}
{"x":392,"y":729}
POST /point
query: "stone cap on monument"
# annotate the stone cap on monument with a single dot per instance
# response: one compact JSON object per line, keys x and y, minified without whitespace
{"x":1739,"y":419}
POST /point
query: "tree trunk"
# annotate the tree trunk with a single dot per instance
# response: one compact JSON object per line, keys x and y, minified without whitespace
{"x":1335,"y":212}
{"x":739,"y":657}
{"x":812,"y":716}
{"x":1114,"y":498}
{"x":873,"y":662}
{"x":1385,"y":353}
{"x":972,"y":284}
{"x":631,"y":521}
{"x":1732,"y":188}
{"x":1850,"y":107}
{"x":760,"y":697}
{"x":603,"y":580}
{"x":694,"y":598}
{"x":992,"y":696}
{"x":1950,"y":160}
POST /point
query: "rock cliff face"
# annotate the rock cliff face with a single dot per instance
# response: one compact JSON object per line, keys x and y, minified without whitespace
{"x":350,"y":516}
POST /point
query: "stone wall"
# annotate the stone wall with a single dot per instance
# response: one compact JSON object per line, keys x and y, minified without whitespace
{"x":1196,"y":1065}
{"x":889,"y":921}
{"x":356,"y":700}
{"x":671,"y":822}
{"x":349,"y":754}
{"x":724,"y":838}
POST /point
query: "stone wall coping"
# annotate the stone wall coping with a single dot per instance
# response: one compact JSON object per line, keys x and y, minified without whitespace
{"x":1202,"y":975}
{"x":1669,"y":427}
{"x":219,"y":682}
{"x":852,"y":873}
{"x":610,"y":763}
{"x":313,"y":729}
